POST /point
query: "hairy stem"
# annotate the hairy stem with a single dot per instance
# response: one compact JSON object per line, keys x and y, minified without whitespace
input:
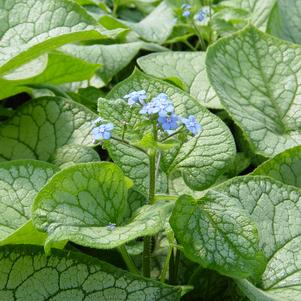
{"x":151,"y":200}
{"x":128,"y":260}
{"x":166,"y":265}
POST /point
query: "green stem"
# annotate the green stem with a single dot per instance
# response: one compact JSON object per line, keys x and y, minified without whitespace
{"x":128,"y":143}
{"x":173,"y":134}
{"x":203,"y":45}
{"x":171,"y":265}
{"x":174,"y":266}
{"x":115,"y":8}
{"x":166,"y":264}
{"x":189,"y":45}
{"x":151,"y":200}
{"x":128,"y":260}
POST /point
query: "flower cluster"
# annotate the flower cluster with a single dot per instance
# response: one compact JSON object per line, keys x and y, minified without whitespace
{"x":136,"y":97}
{"x":186,"y":10}
{"x":161,"y":108}
{"x":202,"y":14}
{"x":102,"y":131}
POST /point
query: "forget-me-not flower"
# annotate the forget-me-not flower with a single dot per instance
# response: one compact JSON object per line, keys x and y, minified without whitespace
{"x":97,"y":121}
{"x":160,"y":105}
{"x":103,"y":132}
{"x":136,"y":97}
{"x":192,"y":125}
{"x":111,"y":226}
{"x":202,"y":14}
{"x":169,"y":122}
{"x":186,"y":10}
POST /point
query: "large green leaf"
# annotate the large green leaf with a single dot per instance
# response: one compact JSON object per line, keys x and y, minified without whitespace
{"x":29,"y":29}
{"x":285,"y":167}
{"x":27,"y":274}
{"x":257,"y":78}
{"x":20,"y":181}
{"x":113,"y":58}
{"x":203,"y":158}
{"x":188,"y":68}
{"x":42,"y":125}
{"x":276,"y":209}
{"x":71,"y":154}
{"x":284,"y":21}
{"x":259,"y":11}
{"x":55,"y":73}
{"x":157,"y":26}
{"x":80,"y":202}
{"x":218,"y":235}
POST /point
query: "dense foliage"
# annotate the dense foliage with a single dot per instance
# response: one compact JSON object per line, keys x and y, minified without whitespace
{"x":150,"y":150}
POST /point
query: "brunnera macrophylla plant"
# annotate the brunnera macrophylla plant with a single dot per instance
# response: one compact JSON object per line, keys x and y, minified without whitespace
{"x":185,"y":203}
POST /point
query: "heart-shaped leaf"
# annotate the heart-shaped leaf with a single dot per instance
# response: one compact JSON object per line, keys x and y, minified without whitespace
{"x":257,"y":78}
{"x":218,"y":235}
{"x":204,"y":157}
{"x":275,"y":208}
{"x":72,"y":276}
{"x":42,"y":125}
{"x":29,"y":29}
{"x":80,"y":202}
{"x":20,"y":181}
{"x":188,"y":67}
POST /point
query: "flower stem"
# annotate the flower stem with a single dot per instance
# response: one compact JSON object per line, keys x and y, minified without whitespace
{"x":151,"y":200}
{"x":201,"y":40}
{"x":128,"y":260}
{"x":166,"y":264}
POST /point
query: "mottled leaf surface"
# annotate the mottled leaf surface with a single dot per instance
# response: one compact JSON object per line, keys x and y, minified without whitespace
{"x":257,"y":78}
{"x":284,"y":21}
{"x":285,"y":167}
{"x":42,"y":125}
{"x":20,"y":181}
{"x":208,"y":153}
{"x":275,"y":208}
{"x":188,"y":67}
{"x":218,"y":235}
{"x":79,"y":202}
{"x":27,"y":274}
{"x":72,"y":154}
{"x":31,"y":28}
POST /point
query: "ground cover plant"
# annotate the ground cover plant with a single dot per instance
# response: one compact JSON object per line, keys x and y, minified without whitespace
{"x":150,"y":150}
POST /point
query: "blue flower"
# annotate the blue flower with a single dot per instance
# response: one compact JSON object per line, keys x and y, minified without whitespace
{"x":192,"y":125}
{"x":97,"y":121}
{"x":169,"y":122}
{"x":186,"y":13}
{"x":136,"y":97}
{"x":186,"y":10}
{"x":202,"y":14}
{"x":158,"y":105}
{"x":111,"y":226}
{"x":103,"y":132}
